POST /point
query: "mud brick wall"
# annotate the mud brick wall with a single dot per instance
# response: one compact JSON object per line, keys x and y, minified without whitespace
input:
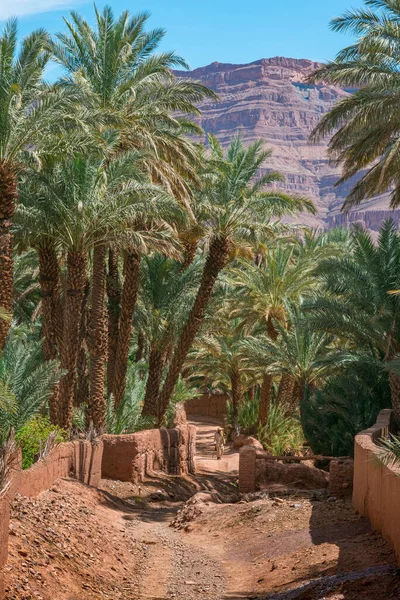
{"x":341,"y":474}
{"x":247,"y":469}
{"x":208,"y":405}
{"x":257,"y":471}
{"x":133,"y":456}
{"x":79,"y":459}
{"x":376,"y":488}
{"x":4,"y":523}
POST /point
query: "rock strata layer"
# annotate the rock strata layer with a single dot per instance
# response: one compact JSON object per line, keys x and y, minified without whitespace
{"x":269,"y":99}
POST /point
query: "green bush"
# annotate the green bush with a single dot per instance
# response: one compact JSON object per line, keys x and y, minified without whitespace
{"x":282,"y":434}
{"x":346,"y":405}
{"x":33,"y":435}
{"x":247,"y":416}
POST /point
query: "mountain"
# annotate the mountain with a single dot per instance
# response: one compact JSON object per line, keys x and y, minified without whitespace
{"x":269,"y":99}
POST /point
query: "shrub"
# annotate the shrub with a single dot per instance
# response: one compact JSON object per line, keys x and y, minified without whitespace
{"x":32,"y":438}
{"x":247,"y":416}
{"x":346,"y":405}
{"x":282,"y":434}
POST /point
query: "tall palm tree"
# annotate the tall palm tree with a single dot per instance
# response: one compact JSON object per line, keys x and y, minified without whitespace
{"x":262,"y":290}
{"x":165,"y":298}
{"x":298,"y":351}
{"x":114,"y":68}
{"x":234,"y":204}
{"x":27,"y":109}
{"x":357,"y":305}
{"x":98,"y":201}
{"x":365,"y":126}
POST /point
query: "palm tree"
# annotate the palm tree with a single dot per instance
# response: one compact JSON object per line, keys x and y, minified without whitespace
{"x":114,"y":69}
{"x":97,"y":201}
{"x":217,"y":358}
{"x":166,"y":295}
{"x":365,"y":125}
{"x":357,"y":306}
{"x":34,"y":228}
{"x":234,"y":204}
{"x":27,"y":109}
{"x":26,"y":382}
{"x":285,"y":273}
{"x":299,"y":351}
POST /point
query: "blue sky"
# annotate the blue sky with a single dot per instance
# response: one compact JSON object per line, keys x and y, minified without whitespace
{"x":213,"y":30}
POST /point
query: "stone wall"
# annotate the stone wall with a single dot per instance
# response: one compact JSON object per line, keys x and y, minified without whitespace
{"x":376,"y":488}
{"x":208,"y":405}
{"x":257,"y":471}
{"x":133,"y":456}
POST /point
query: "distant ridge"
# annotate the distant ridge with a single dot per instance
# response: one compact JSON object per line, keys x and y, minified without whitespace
{"x":269,"y":99}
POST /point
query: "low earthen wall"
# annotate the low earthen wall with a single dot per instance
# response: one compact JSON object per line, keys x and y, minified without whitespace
{"x":341,"y":475}
{"x":376,"y":488}
{"x":208,"y":405}
{"x":257,"y":471}
{"x":4,"y":523}
{"x":133,"y":456}
{"x":79,"y":459}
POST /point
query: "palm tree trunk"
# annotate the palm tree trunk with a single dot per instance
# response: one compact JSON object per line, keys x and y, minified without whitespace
{"x":114,"y":299}
{"x":190,"y":249}
{"x":128,"y":302}
{"x":140,"y":347}
{"x":49,"y":278}
{"x":76,"y":280}
{"x":98,"y":341}
{"x":217,"y":258}
{"x":156,"y":366}
{"x":265,"y":399}
{"x":8,"y":199}
{"x":394,"y":382}
{"x":285,"y":391}
{"x":82,"y":369}
{"x":237,"y":393}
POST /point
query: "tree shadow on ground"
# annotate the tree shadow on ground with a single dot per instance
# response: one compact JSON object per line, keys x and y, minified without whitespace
{"x":364,"y":569}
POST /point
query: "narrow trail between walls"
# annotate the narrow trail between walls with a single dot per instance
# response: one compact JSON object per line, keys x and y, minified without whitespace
{"x":194,"y":538}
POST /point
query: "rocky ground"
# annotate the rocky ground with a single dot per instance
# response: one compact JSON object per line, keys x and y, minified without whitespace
{"x":176,"y":539}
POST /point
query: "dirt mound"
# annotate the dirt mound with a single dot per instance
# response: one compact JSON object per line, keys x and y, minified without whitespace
{"x":70,"y":534}
{"x":193,"y":508}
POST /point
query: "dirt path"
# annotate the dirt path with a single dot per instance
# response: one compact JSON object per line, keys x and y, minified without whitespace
{"x":77,"y":543}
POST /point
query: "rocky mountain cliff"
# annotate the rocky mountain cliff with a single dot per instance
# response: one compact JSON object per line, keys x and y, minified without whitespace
{"x":269,"y":99}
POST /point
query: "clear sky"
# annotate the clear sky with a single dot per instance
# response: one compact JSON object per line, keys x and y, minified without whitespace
{"x":236,"y":31}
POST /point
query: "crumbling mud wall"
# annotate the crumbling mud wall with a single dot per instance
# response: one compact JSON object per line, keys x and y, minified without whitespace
{"x":133,"y":456}
{"x":79,"y":459}
{"x":376,"y":488}
{"x":4,"y":523}
{"x":256,"y":472}
{"x":208,"y":405}
{"x":341,"y":475}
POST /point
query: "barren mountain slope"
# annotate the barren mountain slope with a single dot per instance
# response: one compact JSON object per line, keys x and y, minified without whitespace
{"x":268,"y":99}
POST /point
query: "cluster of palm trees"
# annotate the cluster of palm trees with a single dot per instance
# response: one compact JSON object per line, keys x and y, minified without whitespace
{"x":148,"y":264}
{"x":101,"y":175}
